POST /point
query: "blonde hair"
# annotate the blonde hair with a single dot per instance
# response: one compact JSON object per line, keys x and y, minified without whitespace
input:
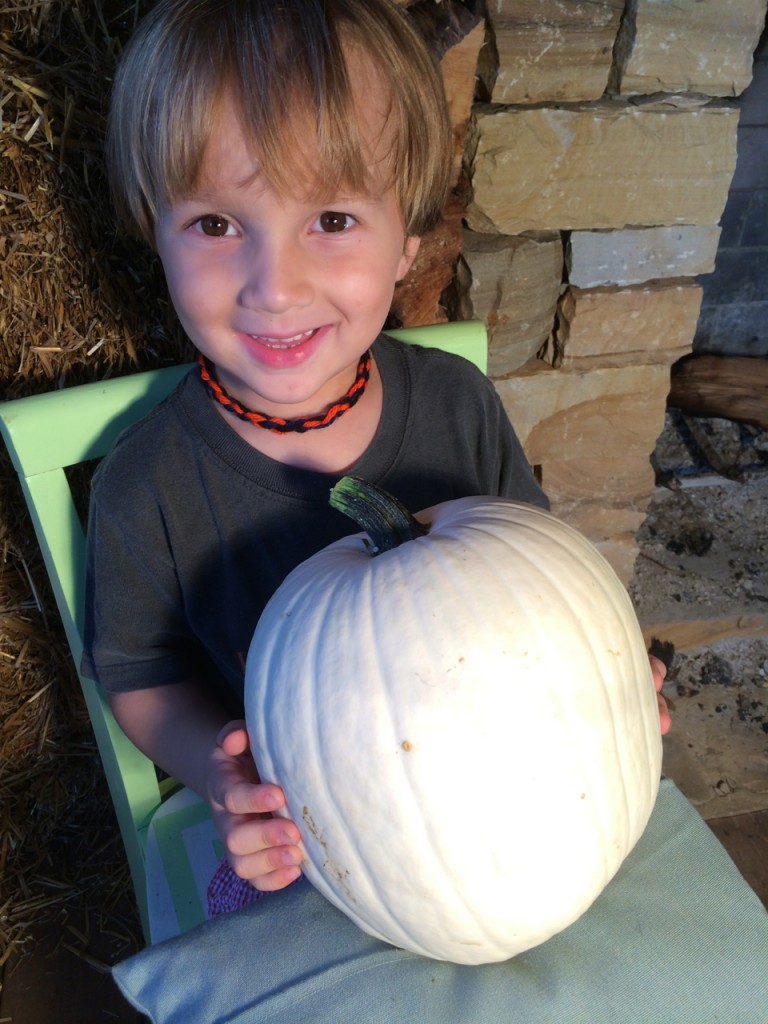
{"x":283,"y":61}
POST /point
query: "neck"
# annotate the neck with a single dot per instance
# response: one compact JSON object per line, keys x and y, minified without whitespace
{"x":331,"y":451}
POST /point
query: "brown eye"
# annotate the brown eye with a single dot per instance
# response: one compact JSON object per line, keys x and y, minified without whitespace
{"x":213,"y":225}
{"x":330,"y":221}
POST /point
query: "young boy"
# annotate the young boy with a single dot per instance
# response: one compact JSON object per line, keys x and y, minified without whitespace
{"x":284,"y":160}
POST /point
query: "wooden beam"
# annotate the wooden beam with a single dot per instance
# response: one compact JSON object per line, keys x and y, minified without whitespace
{"x":704,"y":632}
{"x":732,"y":387}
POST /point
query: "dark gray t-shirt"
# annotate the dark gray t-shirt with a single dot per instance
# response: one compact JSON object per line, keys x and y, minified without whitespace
{"x":191,"y":530}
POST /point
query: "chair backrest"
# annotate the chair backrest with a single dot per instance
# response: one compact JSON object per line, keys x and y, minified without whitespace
{"x":49,"y":433}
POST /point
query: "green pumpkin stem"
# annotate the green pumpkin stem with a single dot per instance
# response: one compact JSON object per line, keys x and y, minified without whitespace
{"x":386,"y":520}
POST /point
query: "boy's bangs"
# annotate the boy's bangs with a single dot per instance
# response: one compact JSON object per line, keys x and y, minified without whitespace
{"x":316,"y":149}
{"x":301,"y":73}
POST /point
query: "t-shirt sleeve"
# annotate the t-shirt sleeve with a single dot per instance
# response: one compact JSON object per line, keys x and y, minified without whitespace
{"x":135,"y":633}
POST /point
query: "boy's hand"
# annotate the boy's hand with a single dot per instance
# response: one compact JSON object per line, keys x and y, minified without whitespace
{"x":659,"y":670}
{"x":261,"y":848}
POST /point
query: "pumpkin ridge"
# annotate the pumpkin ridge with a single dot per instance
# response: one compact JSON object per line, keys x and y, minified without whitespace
{"x":357,"y":870}
{"x":365,"y":883}
{"x":439,"y":549}
{"x":439,"y":869}
{"x":565,"y":703}
{"x":599,"y":580}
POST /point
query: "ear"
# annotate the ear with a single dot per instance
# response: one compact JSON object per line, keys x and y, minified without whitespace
{"x":412,"y":244}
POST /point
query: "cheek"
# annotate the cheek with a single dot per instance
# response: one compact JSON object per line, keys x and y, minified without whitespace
{"x":371,"y":275}
{"x":371,"y":293}
{"x":194,"y":289}
{"x":196,"y":305}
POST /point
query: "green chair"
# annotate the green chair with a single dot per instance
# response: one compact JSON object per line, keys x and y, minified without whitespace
{"x":169,"y":839}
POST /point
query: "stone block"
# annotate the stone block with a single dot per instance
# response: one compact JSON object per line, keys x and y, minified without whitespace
{"x":605,"y":413}
{"x":600,"y":523}
{"x":550,"y":50}
{"x":633,"y":256}
{"x":458,"y":68}
{"x":621,"y":554}
{"x":619,"y":548}
{"x":512,"y":284}
{"x":611,"y":481}
{"x":616,"y":326}
{"x":702,"y":46}
{"x":591,"y":435}
{"x":606,"y":165}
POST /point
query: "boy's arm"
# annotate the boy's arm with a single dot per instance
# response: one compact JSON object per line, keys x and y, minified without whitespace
{"x":187,"y":734}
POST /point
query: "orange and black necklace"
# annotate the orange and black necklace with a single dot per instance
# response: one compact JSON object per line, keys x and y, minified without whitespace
{"x":275,"y":423}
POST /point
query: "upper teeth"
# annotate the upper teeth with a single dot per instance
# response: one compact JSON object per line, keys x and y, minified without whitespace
{"x":283,"y":342}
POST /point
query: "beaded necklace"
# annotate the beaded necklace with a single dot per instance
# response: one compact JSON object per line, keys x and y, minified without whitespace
{"x":275,"y":423}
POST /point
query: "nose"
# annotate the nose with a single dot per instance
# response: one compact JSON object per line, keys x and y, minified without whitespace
{"x":276,"y":276}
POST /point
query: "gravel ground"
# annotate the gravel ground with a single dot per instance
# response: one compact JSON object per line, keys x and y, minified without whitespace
{"x":704,"y":556}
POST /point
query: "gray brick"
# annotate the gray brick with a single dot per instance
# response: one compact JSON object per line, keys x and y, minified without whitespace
{"x":755,"y":231}
{"x":752,"y":158}
{"x":734,"y":218}
{"x":741,"y":276}
{"x":739,"y":329}
{"x":753,"y":105}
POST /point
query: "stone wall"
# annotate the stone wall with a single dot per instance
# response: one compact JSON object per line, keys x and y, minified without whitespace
{"x":599,"y":160}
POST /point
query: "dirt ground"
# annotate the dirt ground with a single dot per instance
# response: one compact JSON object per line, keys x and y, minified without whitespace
{"x":703,"y":566}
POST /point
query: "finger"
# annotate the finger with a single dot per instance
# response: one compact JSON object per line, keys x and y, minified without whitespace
{"x":233,"y":739}
{"x":665,"y":719}
{"x":245,"y":798}
{"x":257,"y":835}
{"x":271,"y":881}
{"x":268,"y":870}
{"x":270,"y":866}
{"x":659,"y":671}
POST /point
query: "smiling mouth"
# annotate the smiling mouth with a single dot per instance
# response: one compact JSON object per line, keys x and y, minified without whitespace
{"x":284,"y":343}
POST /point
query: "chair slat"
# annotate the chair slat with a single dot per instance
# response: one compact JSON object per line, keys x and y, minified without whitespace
{"x":64,"y":428}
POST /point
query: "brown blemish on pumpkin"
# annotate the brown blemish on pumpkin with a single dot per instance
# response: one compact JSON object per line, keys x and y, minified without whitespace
{"x":312,"y":827}
{"x":340,"y":874}
{"x":330,"y":867}
{"x":407,"y":746}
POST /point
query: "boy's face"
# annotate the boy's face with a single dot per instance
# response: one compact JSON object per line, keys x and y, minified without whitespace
{"x":283,"y":294}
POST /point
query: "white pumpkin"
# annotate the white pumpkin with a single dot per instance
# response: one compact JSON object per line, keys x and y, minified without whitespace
{"x":465,"y":728}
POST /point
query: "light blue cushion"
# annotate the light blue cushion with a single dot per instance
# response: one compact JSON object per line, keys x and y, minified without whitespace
{"x":677,"y":938}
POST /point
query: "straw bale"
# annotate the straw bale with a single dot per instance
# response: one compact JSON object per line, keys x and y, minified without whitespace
{"x":59,"y":852}
{"x":78,"y":302}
